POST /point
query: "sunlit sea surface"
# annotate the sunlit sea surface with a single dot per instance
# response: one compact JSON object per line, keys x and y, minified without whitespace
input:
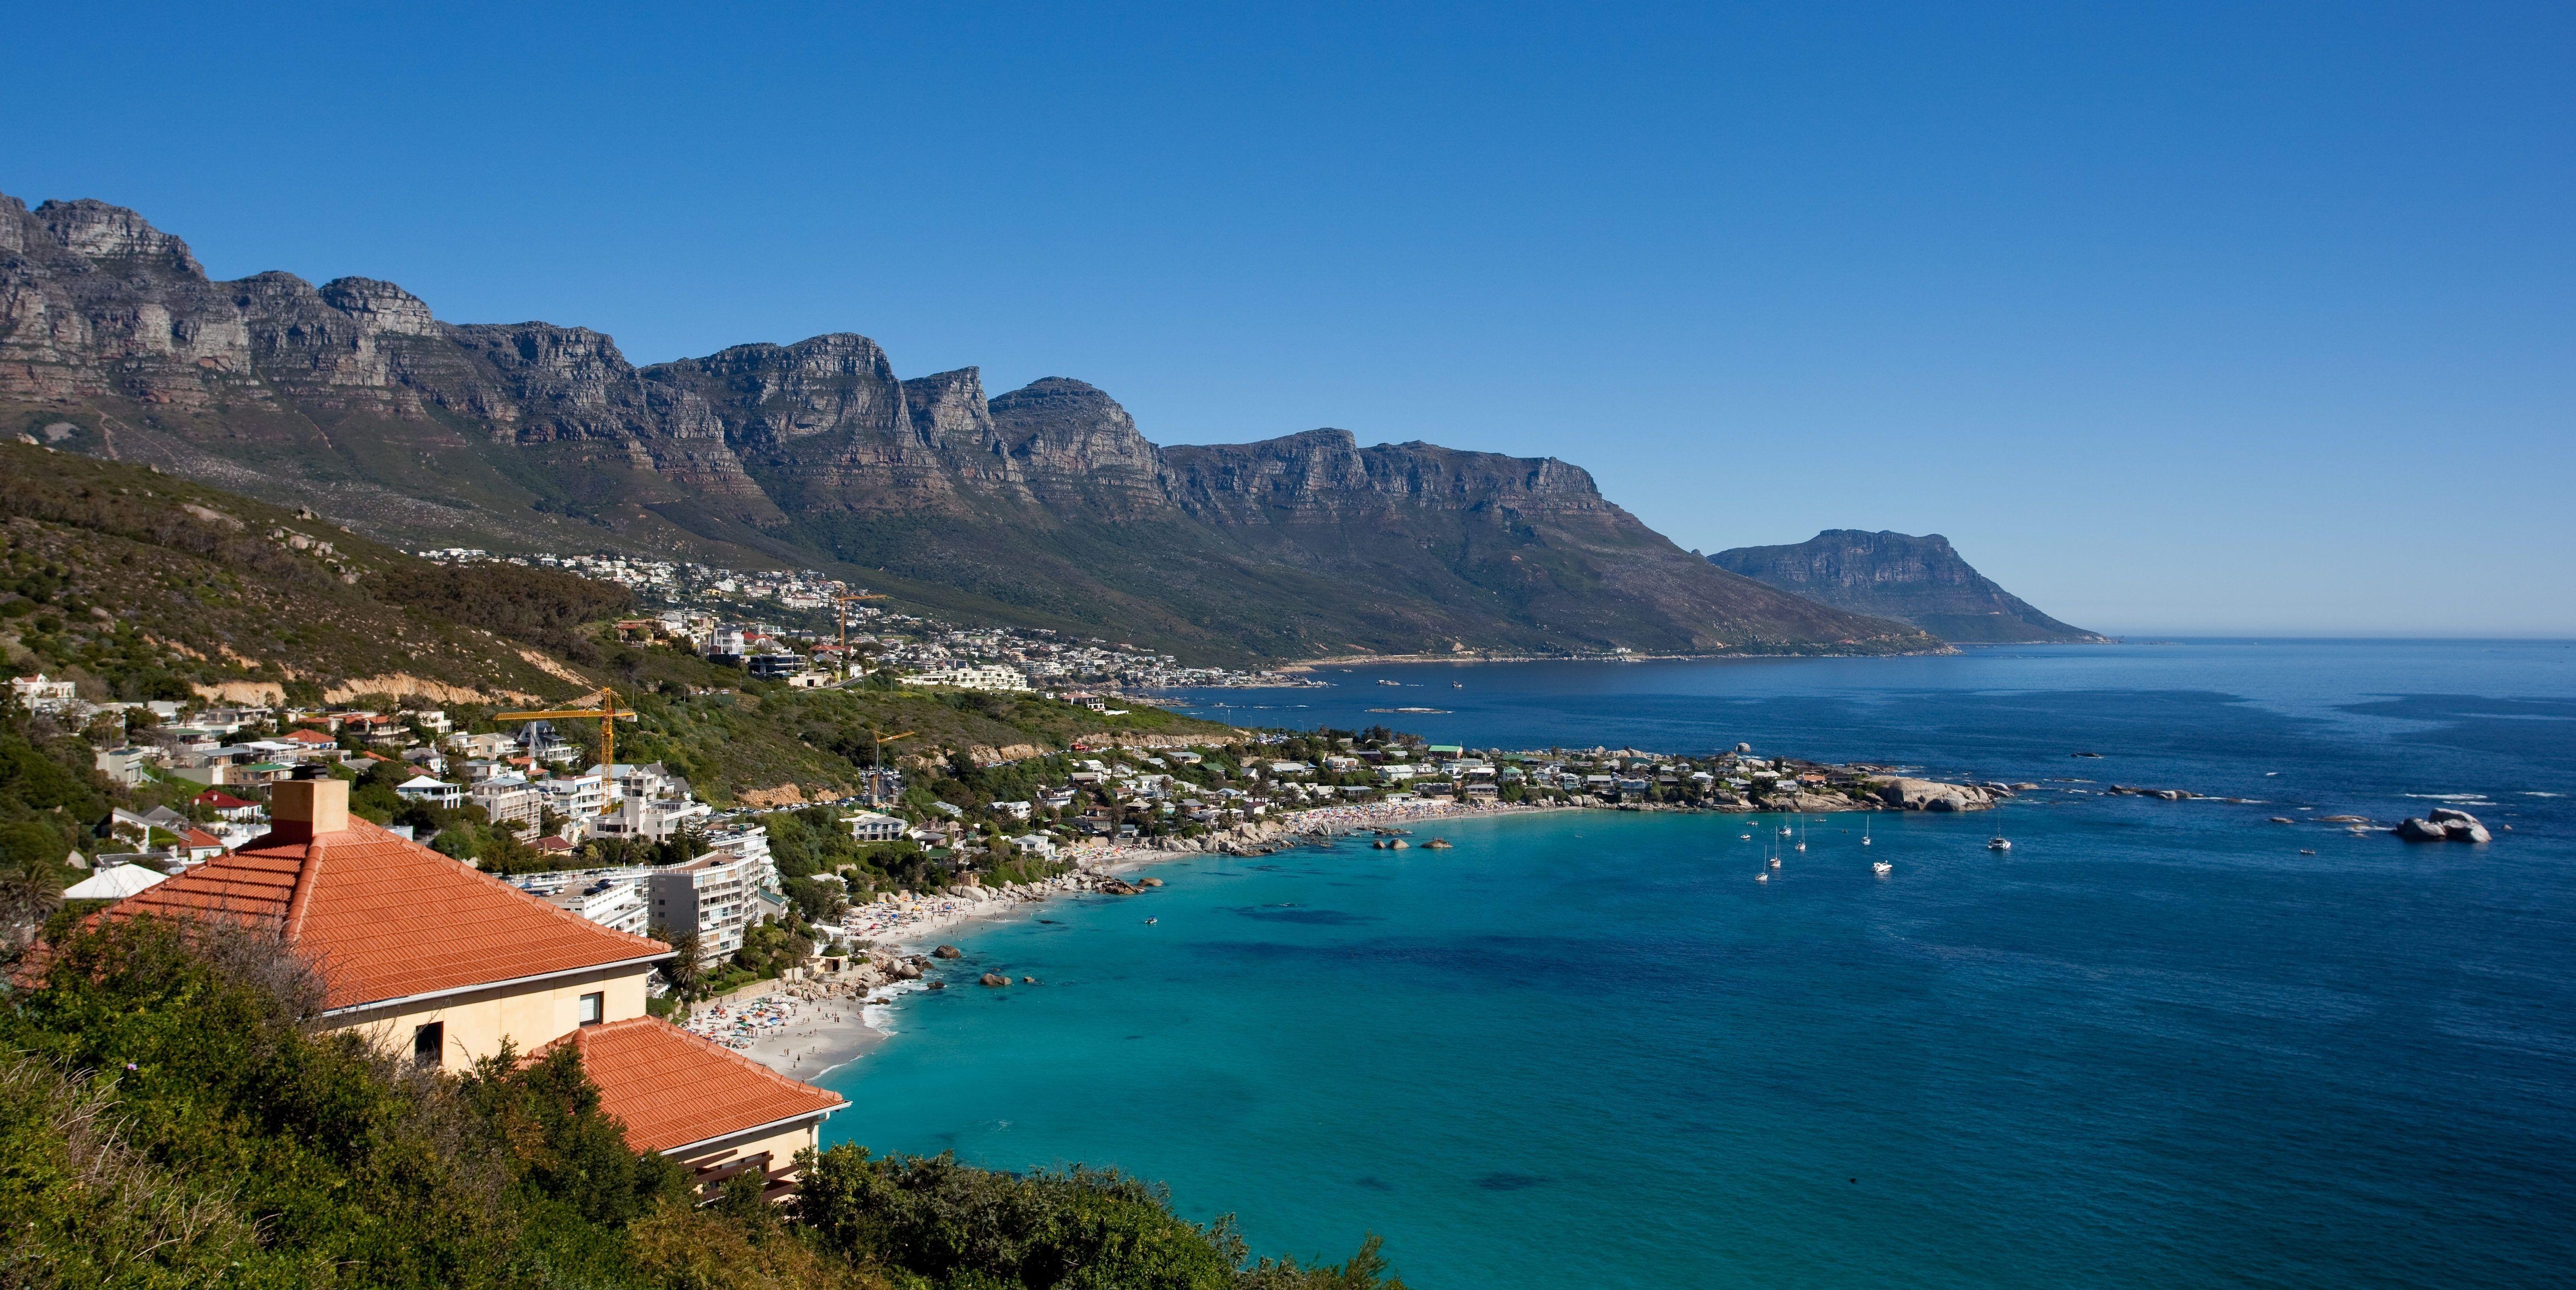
{"x":2156,"y":1044}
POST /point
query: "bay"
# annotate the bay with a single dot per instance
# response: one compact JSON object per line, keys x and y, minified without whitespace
{"x":2154,"y":1044}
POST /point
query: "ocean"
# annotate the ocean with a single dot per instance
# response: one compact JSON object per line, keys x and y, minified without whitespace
{"x":2153,"y":1045}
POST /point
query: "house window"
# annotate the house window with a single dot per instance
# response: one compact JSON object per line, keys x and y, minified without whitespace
{"x":592,"y":1006}
{"x":429,"y":1043}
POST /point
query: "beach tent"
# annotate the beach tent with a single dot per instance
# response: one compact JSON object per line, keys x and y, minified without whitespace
{"x":114,"y":884}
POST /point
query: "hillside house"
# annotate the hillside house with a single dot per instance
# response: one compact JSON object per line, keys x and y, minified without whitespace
{"x":434,"y":961}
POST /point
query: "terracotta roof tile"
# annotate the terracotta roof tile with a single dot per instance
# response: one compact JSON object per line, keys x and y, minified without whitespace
{"x":672,"y":1088}
{"x":386,"y":918}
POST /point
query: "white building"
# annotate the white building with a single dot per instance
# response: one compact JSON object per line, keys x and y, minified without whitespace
{"x":751,"y":842}
{"x":124,"y":765}
{"x":870,"y":826}
{"x":974,"y":677}
{"x":509,"y":798}
{"x":38,"y":694}
{"x":436,"y":792}
{"x":615,"y":905}
{"x":577,"y":796}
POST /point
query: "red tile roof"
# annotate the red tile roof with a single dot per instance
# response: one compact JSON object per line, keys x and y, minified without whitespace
{"x":386,"y":918}
{"x":219,"y":800}
{"x":309,"y":737}
{"x":672,"y":1088}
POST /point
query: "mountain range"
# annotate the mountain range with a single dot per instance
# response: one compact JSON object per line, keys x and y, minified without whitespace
{"x":1918,"y":580}
{"x":1044,"y":505}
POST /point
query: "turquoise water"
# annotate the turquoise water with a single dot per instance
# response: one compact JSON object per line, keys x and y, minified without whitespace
{"x":2153,"y":1045}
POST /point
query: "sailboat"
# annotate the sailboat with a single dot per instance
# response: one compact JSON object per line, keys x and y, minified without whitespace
{"x":1864,"y":830}
{"x":1802,"y":833}
{"x":1999,"y":842}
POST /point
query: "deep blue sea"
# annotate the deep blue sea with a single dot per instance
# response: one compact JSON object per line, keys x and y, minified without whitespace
{"x":2153,"y":1045}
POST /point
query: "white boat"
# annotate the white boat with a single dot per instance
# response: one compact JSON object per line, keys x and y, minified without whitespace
{"x":1762,"y":877}
{"x":1999,"y":843}
{"x":1802,"y":833}
{"x":1864,"y":831}
{"x":1880,"y":867}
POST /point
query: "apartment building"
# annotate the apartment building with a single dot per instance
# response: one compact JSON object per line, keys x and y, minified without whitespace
{"x":710,"y":896}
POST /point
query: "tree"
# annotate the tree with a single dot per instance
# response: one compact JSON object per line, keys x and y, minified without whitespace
{"x":683,"y":970}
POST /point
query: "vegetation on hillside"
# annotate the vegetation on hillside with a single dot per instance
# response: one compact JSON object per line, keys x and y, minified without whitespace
{"x":731,"y":736}
{"x":171,"y":1115}
{"x":138,"y":585}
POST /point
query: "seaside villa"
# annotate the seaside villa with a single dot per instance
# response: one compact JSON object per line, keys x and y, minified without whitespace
{"x":433,"y":959}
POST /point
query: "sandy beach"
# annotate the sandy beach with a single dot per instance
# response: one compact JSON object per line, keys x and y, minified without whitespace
{"x":807,"y":1029}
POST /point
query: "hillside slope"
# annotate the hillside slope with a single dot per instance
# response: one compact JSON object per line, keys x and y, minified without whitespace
{"x":142,"y":586}
{"x":1918,"y":580}
{"x":1045,"y":505}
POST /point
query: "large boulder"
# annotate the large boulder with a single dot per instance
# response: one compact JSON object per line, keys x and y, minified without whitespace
{"x":2415,"y":830}
{"x":1931,"y":795}
{"x":993,"y":978}
{"x":2459,"y":826}
{"x":948,"y":952}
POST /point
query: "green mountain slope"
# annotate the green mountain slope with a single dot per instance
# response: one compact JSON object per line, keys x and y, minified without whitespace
{"x":139,"y":585}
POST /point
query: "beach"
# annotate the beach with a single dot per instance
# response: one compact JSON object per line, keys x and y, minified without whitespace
{"x":805,"y":1028}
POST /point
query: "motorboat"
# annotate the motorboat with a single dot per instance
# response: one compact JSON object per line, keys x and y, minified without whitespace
{"x":1881,"y":868}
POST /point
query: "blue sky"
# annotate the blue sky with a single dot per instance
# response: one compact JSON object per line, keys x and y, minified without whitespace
{"x":2175,"y":318}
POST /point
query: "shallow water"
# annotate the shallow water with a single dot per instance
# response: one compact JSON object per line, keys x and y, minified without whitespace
{"x":2153,"y":1044}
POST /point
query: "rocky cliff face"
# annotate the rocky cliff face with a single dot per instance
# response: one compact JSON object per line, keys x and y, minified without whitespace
{"x":1918,"y":580}
{"x":1045,"y":502}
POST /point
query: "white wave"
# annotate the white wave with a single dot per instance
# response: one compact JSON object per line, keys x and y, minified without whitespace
{"x":2472,"y":799}
{"x":876,"y":1012}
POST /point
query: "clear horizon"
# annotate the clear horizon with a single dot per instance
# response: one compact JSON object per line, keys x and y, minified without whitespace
{"x":2257,"y":323}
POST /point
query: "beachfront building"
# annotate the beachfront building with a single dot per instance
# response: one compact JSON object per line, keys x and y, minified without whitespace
{"x":434,"y":961}
{"x":710,"y":896}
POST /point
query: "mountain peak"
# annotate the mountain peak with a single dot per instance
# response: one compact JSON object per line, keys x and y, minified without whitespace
{"x":1913,"y":579}
{"x":95,"y":230}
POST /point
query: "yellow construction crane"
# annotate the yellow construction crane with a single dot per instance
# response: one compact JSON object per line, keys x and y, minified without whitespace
{"x":601,"y":705}
{"x":878,"y":779}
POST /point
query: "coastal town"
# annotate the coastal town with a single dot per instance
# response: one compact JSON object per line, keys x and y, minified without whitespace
{"x":803,"y":624}
{"x":839,"y":892}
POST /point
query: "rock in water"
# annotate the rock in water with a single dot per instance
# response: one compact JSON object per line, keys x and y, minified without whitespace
{"x":2459,"y":826}
{"x":2415,"y":830}
{"x":993,"y":978}
{"x":948,"y":952}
